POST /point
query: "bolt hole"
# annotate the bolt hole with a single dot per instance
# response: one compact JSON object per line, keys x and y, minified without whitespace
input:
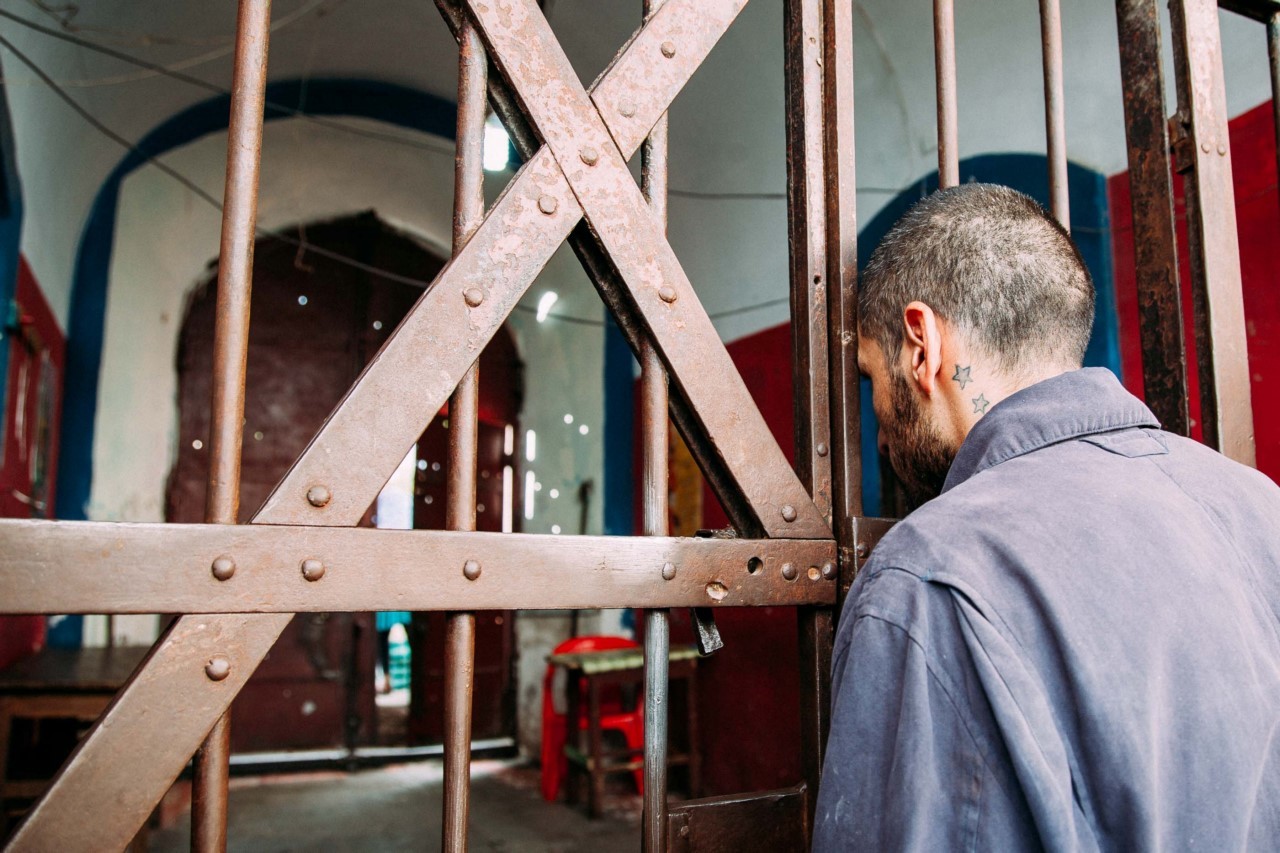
{"x":754,"y":565}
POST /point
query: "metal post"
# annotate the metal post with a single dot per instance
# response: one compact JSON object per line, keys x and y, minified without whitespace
{"x":1155,"y":246}
{"x":460,"y":510}
{"x":1273,"y":54}
{"x":1226,"y":410}
{"x":654,"y":432}
{"x":944,"y":51}
{"x":230,"y":356}
{"x":1054,"y":110}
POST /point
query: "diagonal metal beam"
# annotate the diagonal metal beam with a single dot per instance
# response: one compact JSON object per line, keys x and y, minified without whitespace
{"x":360,"y":444}
{"x":560,"y":111}
{"x":261,"y":568}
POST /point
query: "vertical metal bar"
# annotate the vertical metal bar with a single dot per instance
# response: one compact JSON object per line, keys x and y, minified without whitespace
{"x":1273,"y":55}
{"x":1055,"y":110}
{"x":654,"y":437}
{"x":1164,"y":356}
{"x":230,"y":357}
{"x":1226,"y":406}
{"x":944,"y":53}
{"x":460,"y":507}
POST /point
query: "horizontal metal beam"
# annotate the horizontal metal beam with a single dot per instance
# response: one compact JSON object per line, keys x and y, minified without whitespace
{"x":105,"y":567}
{"x":1261,"y":11}
{"x":765,"y":820}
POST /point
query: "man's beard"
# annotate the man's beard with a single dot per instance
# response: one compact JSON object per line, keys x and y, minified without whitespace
{"x":918,"y":454}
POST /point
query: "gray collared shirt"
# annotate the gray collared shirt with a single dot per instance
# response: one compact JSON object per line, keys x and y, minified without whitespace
{"x":1075,"y":647}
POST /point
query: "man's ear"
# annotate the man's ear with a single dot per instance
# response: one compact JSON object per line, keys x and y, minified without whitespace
{"x":922,"y":340}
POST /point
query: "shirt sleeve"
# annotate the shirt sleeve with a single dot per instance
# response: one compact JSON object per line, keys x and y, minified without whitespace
{"x":902,"y":771}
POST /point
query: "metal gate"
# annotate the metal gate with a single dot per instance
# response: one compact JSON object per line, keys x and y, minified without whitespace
{"x":800,"y":533}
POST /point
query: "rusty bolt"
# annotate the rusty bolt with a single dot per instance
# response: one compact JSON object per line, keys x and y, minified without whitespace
{"x":627,"y":108}
{"x":217,"y":668}
{"x":862,"y":550}
{"x":668,"y":571}
{"x":312,"y":570}
{"x":821,"y":448}
{"x":589,"y":155}
{"x":788,"y":513}
{"x":471,"y":570}
{"x":829,"y":571}
{"x":224,"y":567}
{"x":548,"y":204}
{"x":474,"y":296}
{"x":668,"y":49}
{"x":667,"y":293}
{"x":319,"y":496}
{"x":789,"y":571}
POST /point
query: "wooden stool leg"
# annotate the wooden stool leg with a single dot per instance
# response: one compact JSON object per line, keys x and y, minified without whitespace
{"x":573,"y":778}
{"x":595,"y":769}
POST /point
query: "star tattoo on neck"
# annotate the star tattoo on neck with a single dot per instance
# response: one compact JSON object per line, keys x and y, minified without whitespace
{"x":962,"y":376}
{"x":980,"y":404}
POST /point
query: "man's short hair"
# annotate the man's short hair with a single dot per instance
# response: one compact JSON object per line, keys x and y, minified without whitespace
{"x":991,"y":261}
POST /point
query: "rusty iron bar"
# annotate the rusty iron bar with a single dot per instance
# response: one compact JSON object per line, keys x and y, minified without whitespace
{"x":230,"y":359}
{"x":1273,"y":59}
{"x":525,"y":51}
{"x":460,"y":507}
{"x":944,"y":53}
{"x":1055,"y":110}
{"x":1221,"y":343}
{"x":170,"y":568}
{"x":1164,"y":356}
{"x":654,"y":431}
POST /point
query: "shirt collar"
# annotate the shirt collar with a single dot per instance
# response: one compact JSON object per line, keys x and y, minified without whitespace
{"x":1070,"y":405}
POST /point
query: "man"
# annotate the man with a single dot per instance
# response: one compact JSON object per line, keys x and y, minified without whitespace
{"x":1075,"y":646}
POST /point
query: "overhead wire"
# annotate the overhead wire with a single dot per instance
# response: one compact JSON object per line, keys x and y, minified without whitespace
{"x":205,"y":196}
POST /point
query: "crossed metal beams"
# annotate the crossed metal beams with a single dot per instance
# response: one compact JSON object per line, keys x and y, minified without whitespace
{"x":579,"y":173}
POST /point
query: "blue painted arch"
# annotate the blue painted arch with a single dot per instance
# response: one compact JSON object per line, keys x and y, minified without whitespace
{"x":397,"y":105}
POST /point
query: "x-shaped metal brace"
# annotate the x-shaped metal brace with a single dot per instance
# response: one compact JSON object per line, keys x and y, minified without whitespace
{"x":579,"y":173}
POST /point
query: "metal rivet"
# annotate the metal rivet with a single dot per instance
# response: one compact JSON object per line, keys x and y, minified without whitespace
{"x":1204,"y":146}
{"x":667,"y":293}
{"x":217,"y":668}
{"x":224,"y":567}
{"x":788,"y":513}
{"x":717,"y":591}
{"x":668,"y":49}
{"x":829,"y":571}
{"x":319,"y":496}
{"x":1222,"y":150}
{"x":821,"y":448}
{"x":474,"y":296}
{"x":668,"y":571}
{"x":627,"y":108}
{"x":813,"y":573}
{"x":471,"y":570}
{"x":548,"y":204}
{"x":589,"y":155}
{"x":862,"y":550}
{"x":789,"y":571}
{"x":312,"y":570}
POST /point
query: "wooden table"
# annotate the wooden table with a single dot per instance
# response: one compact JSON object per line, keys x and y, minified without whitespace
{"x":588,"y":673}
{"x":75,"y":684}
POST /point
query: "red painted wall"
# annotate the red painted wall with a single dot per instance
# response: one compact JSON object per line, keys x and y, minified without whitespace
{"x":1253,"y":156}
{"x":36,"y":347}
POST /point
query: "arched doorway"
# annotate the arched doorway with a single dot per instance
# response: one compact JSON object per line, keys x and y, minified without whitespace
{"x":320,"y":312}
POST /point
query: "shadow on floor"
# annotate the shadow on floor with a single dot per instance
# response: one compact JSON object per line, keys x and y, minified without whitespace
{"x":399,"y":808}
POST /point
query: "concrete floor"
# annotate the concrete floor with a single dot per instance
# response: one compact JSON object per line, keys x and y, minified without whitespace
{"x":399,"y":808}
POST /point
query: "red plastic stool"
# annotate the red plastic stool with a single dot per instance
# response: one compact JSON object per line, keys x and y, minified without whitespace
{"x":628,"y":721}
